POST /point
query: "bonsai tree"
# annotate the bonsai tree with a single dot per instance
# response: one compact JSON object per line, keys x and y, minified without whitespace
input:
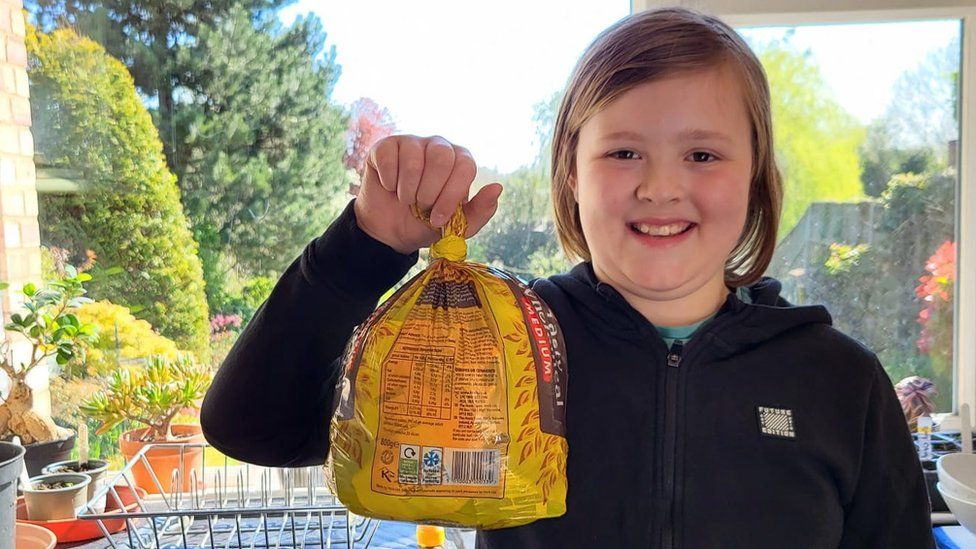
{"x":151,"y":395}
{"x":52,"y":328}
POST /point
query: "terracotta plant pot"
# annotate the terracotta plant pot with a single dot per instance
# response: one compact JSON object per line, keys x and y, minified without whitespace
{"x":31,"y":536}
{"x":95,"y":470}
{"x":56,"y":503}
{"x":166,"y":461}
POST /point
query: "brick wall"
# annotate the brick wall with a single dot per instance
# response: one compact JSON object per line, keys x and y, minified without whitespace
{"x":20,"y":259}
{"x":19,"y":247}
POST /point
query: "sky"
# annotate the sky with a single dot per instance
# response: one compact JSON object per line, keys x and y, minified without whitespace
{"x":473,"y":74}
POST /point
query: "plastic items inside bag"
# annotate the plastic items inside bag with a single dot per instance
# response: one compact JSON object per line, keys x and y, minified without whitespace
{"x":451,"y":406}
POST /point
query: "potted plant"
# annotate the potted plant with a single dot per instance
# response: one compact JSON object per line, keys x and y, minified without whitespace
{"x":917,"y":397}
{"x":94,"y":469}
{"x":55,"y":496}
{"x":50,"y":326}
{"x":152,"y":395}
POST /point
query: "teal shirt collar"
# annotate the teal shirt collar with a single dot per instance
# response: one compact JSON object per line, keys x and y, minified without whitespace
{"x":684,"y":333}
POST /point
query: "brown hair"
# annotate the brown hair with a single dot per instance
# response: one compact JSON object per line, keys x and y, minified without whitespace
{"x":651,"y":45}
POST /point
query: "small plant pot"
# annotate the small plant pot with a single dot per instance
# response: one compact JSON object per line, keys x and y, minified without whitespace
{"x":165,"y":462}
{"x":95,"y":470}
{"x":57,"y":496}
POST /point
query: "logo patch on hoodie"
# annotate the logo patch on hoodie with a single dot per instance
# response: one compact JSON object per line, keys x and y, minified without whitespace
{"x":776,"y":422}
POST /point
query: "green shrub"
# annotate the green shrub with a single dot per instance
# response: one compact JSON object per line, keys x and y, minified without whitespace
{"x":252,"y":294}
{"x":88,"y":118}
{"x":121,"y":338}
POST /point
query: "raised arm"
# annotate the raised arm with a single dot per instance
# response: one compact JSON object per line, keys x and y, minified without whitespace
{"x":271,"y":399}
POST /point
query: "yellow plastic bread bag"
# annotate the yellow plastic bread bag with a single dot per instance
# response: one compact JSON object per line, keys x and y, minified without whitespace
{"x":451,"y":405}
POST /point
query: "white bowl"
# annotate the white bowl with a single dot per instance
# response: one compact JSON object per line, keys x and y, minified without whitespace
{"x":957,"y":474}
{"x":964,"y":511}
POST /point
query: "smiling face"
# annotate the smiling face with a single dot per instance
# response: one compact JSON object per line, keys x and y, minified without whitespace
{"x":669,"y":156}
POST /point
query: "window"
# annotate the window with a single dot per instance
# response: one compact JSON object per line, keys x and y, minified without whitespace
{"x":867,"y":133}
{"x":748,"y":16}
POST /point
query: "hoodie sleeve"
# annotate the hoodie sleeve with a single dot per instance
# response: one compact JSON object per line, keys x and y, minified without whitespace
{"x":890,"y":507}
{"x":271,"y":399}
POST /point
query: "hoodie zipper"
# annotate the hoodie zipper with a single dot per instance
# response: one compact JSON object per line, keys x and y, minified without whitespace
{"x":674,"y":358}
{"x":677,"y":359}
{"x":670,"y":440}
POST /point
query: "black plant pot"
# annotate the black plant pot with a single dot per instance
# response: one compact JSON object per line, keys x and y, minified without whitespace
{"x":40,"y":454}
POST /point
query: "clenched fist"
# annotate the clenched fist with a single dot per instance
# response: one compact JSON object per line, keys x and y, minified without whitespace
{"x":403,"y":170}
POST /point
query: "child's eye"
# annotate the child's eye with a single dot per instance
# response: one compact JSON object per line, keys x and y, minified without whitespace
{"x":624,"y":155}
{"x":701,"y":157}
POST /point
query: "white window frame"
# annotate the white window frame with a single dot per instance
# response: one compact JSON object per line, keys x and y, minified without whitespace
{"x":758,"y":13}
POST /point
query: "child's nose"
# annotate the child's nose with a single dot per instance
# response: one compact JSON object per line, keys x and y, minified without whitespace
{"x":659,"y":186}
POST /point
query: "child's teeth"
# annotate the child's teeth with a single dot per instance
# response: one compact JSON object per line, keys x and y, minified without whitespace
{"x":664,"y":230}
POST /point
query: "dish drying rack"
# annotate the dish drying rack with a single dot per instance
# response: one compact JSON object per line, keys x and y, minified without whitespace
{"x":233,"y":506}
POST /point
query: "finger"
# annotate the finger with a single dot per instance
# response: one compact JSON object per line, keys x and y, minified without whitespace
{"x":481,"y":208}
{"x":456,"y":189}
{"x":383,"y":160}
{"x":409,"y":170}
{"x":438,"y":165}
{"x":371,"y":177}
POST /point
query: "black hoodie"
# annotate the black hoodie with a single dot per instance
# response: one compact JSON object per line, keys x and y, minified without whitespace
{"x":768,"y":428}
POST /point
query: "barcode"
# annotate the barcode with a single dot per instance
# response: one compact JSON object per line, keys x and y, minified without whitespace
{"x":474,"y":467}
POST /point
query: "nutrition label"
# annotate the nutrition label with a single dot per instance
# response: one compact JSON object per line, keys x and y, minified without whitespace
{"x":419,"y":382}
{"x":443,"y":417}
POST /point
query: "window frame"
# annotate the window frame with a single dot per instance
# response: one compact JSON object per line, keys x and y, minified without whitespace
{"x":750,"y":13}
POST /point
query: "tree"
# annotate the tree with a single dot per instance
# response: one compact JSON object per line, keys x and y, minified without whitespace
{"x":261,"y":159}
{"x":920,"y":122}
{"x":87,"y":117}
{"x":544,"y":117}
{"x":923,"y":112}
{"x":242,"y":104}
{"x":521,"y":237}
{"x":368,"y":123}
{"x":147,"y":35}
{"x":816,"y":139}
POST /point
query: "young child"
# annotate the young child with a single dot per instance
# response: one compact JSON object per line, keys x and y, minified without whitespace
{"x":703,"y":410}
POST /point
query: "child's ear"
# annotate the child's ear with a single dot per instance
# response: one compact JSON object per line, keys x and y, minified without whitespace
{"x":571,"y":181}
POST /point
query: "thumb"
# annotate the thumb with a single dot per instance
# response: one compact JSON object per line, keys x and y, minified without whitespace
{"x":481,"y":207}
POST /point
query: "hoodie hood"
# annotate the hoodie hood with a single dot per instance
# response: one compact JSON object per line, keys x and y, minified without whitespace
{"x":736,"y":327}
